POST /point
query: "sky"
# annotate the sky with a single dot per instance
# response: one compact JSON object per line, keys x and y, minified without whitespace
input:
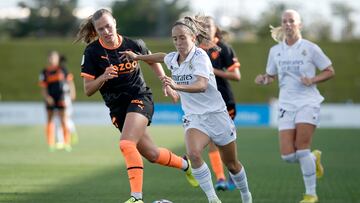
{"x":308,"y":9}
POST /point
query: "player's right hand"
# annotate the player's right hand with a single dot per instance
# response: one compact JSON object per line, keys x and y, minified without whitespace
{"x":110,"y":73}
{"x":128,"y":55}
{"x":50,"y":101}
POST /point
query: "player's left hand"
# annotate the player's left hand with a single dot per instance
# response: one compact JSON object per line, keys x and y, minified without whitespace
{"x":307,"y":81}
{"x":169,"y":81}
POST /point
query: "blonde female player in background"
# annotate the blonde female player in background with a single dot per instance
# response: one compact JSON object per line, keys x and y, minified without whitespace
{"x":206,"y":118}
{"x":125,"y":93}
{"x":294,"y":61}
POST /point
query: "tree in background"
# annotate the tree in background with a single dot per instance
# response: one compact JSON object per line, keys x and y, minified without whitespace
{"x":152,"y":18}
{"x":47,"y":18}
{"x":270,"y":16}
{"x":344,"y":11}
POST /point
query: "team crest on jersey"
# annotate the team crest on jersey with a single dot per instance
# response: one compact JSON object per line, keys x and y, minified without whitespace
{"x":304,"y":52}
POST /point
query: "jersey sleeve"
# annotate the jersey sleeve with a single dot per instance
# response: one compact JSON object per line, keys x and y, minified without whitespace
{"x":142,"y":47}
{"x":87,"y":64}
{"x":67,"y":74}
{"x":320,"y":60}
{"x":271,"y":66}
{"x":202,"y":65}
{"x":230,"y":60}
{"x":167,"y":59}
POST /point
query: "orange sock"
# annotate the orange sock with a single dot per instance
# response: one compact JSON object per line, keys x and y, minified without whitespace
{"x":167,"y":158}
{"x":134,"y":165}
{"x":216,"y":164}
{"x":50,"y":133}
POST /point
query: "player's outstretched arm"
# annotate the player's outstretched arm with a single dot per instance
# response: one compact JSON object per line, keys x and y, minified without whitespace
{"x":149,"y":58}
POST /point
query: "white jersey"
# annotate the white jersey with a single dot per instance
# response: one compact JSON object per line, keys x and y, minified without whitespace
{"x":291,"y":63}
{"x":197,"y":63}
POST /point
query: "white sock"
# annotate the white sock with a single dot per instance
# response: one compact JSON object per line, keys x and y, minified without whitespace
{"x":203,"y":176}
{"x":313,"y":157}
{"x":137,"y":195}
{"x":308,"y":169}
{"x":240,"y":180}
{"x":290,"y":158}
{"x":185,"y":164}
{"x":71,"y":125}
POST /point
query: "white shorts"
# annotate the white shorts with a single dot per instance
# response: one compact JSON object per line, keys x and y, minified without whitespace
{"x":218,"y":126}
{"x":306,"y":114}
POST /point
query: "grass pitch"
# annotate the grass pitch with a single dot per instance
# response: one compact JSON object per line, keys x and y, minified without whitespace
{"x":94,"y":171}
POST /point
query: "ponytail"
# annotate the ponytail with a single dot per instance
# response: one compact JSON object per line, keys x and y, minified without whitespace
{"x":87,"y":32}
{"x":277,"y":33}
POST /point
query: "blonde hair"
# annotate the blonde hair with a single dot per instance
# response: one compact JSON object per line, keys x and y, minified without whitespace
{"x":277,"y":33}
{"x":87,"y":32}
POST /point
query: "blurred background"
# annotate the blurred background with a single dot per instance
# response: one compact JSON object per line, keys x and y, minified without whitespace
{"x":29,"y":29}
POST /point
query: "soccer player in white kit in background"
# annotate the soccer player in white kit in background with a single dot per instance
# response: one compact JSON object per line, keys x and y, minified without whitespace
{"x":206,"y":118}
{"x":294,"y":61}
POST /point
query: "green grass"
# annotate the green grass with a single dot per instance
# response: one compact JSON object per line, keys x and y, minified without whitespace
{"x":22,"y":60}
{"x":94,"y":171}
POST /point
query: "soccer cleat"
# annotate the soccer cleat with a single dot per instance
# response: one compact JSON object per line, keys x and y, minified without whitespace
{"x":189,"y":176}
{"x":52,"y":148}
{"x":74,"y":138}
{"x":319,"y":166}
{"x":310,"y":199}
{"x":215,"y":201}
{"x":230,"y":185}
{"x":134,"y":200}
{"x":67,"y":147}
{"x":220,"y":185}
{"x":247,"y":198}
{"x":59,"y":146}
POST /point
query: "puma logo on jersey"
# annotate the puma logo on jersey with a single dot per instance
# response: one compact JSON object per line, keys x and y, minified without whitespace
{"x":141,"y":106}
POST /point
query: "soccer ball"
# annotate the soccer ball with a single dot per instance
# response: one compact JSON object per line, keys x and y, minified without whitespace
{"x":162,"y":201}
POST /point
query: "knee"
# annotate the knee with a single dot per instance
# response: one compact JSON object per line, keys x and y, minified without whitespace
{"x":127,"y":146}
{"x":195,"y":157}
{"x":289,"y":158}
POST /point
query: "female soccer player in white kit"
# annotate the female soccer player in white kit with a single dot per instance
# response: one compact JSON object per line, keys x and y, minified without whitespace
{"x":206,"y":118}
{"x":294,"y":60}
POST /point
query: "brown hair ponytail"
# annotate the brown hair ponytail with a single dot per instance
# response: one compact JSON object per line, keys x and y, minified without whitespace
{"x":87,"y":32}
{"x":196,"y":26}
